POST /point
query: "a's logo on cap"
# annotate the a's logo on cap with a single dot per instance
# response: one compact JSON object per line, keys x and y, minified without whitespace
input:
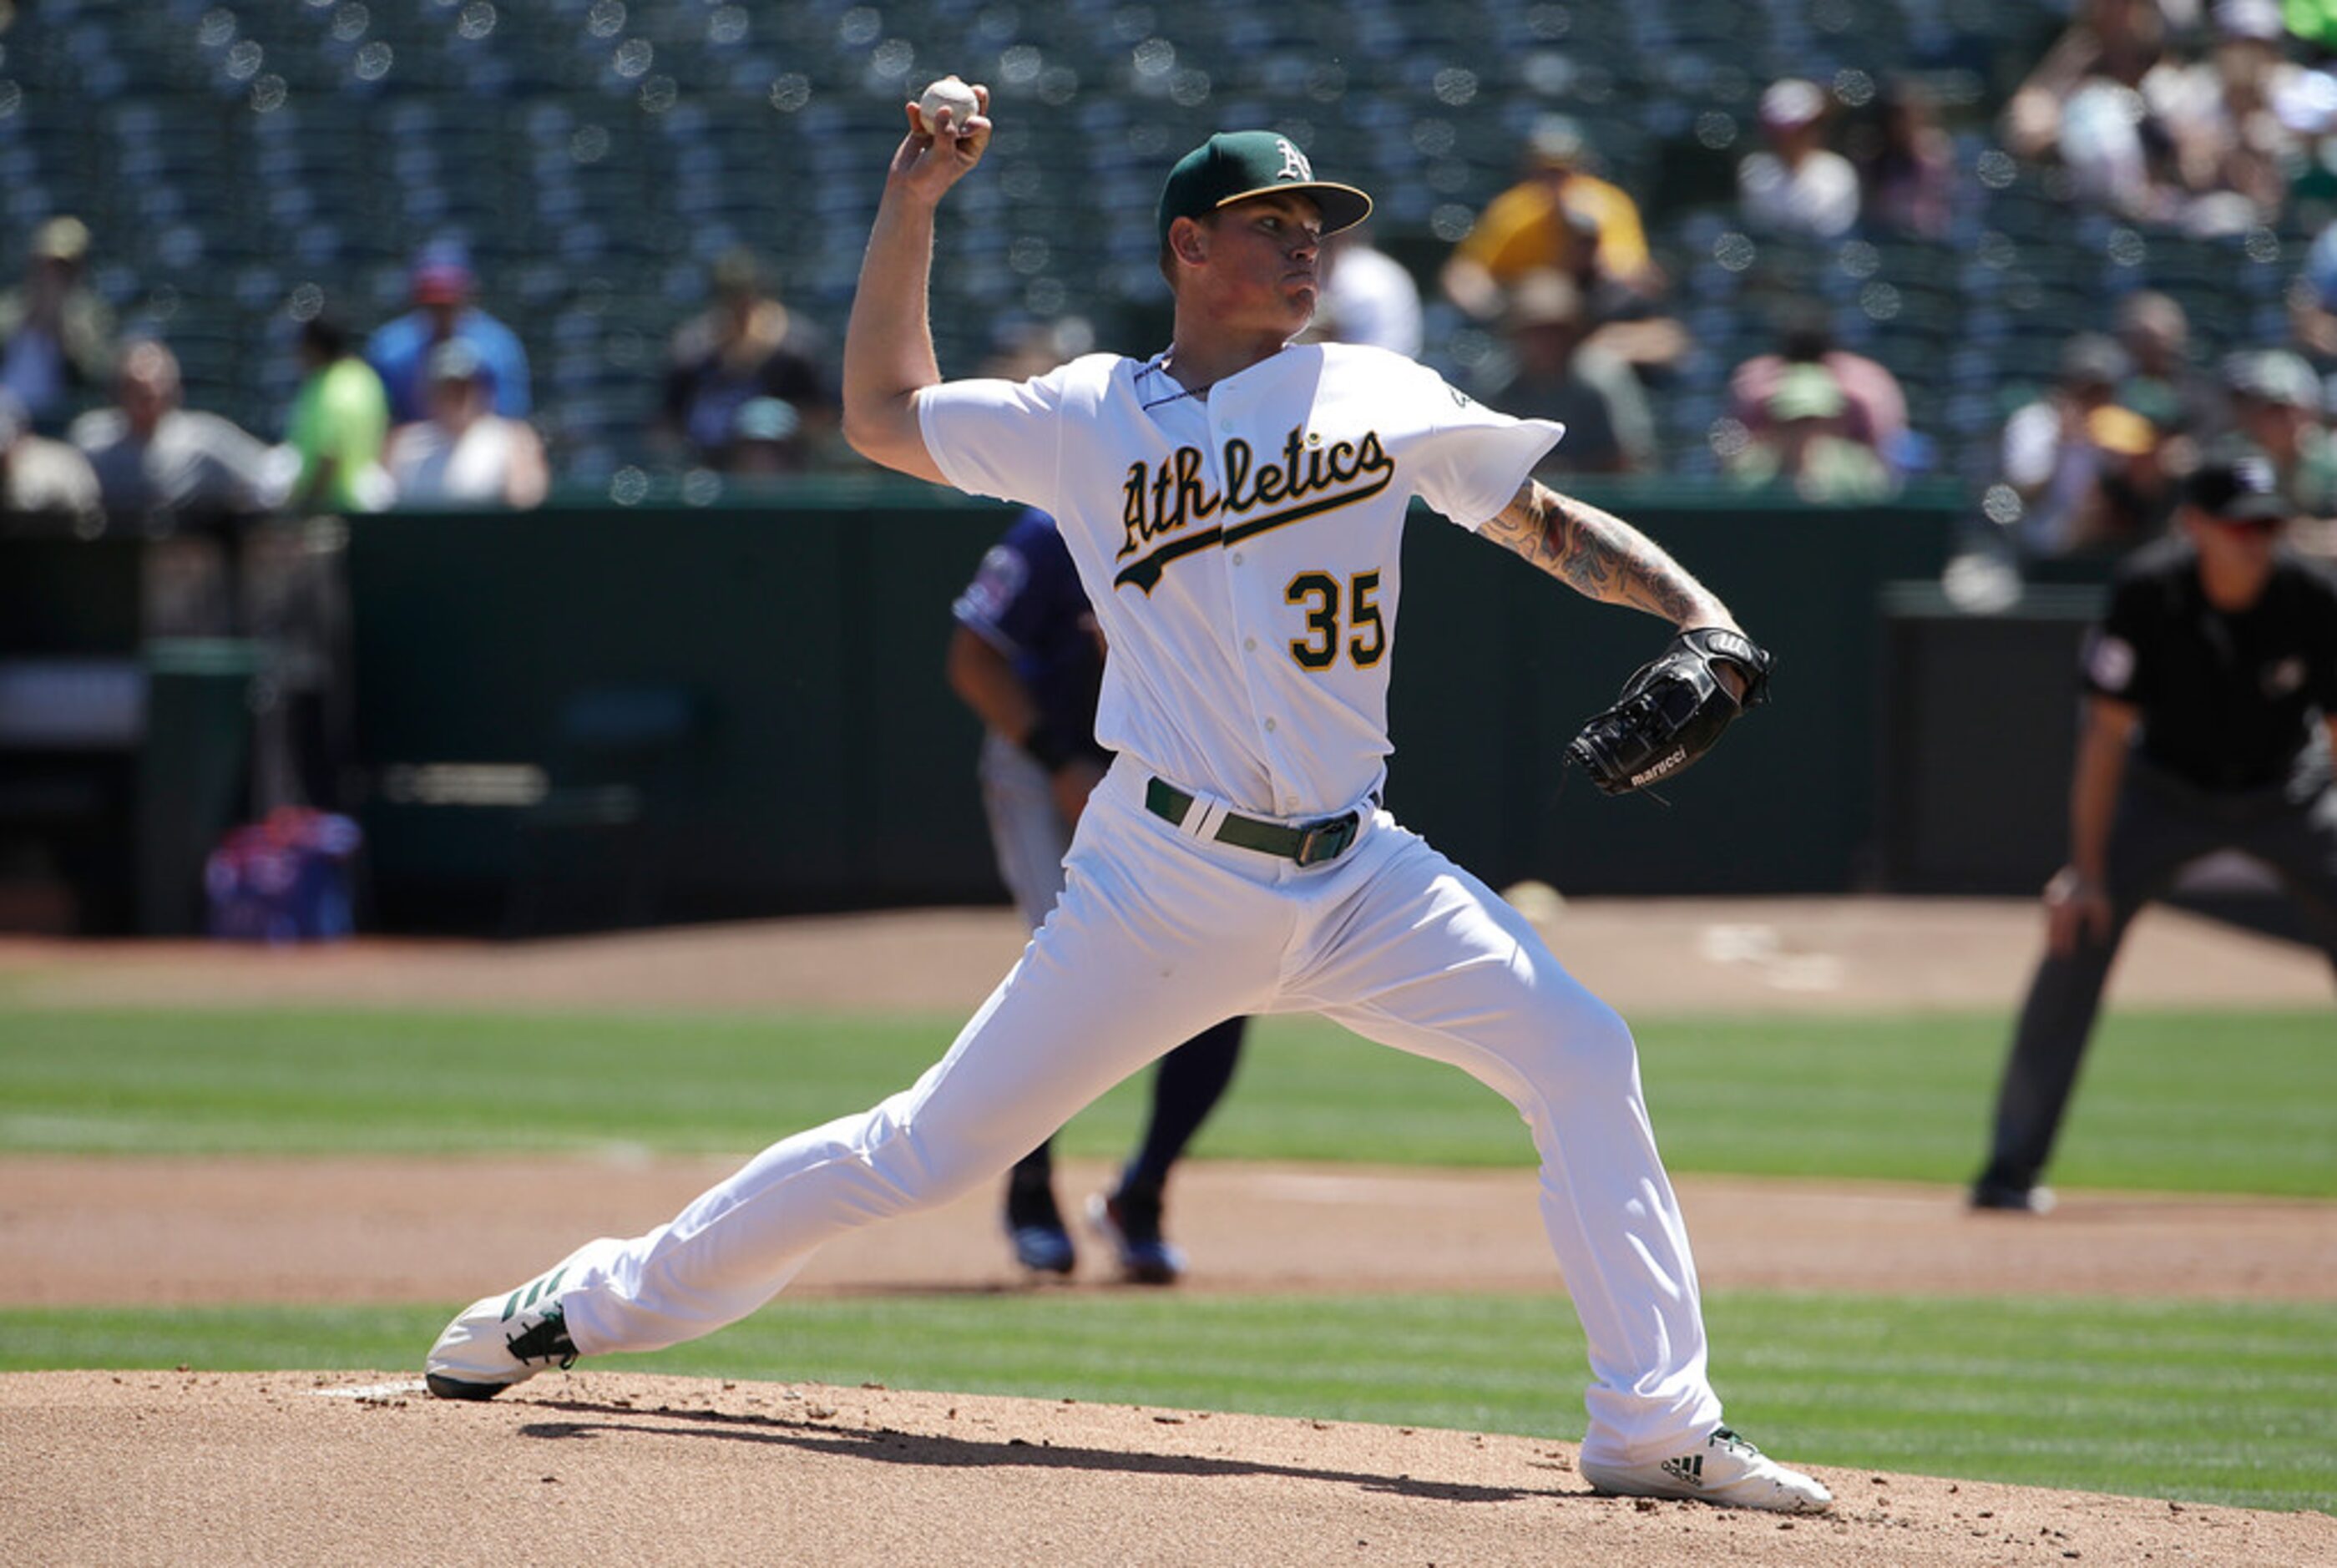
{"x":1293,"y":163}
{"x":2253,"y":476}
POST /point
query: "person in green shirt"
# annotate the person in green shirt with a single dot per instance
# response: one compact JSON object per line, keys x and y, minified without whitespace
{"x":1804,"y":448}
{"x":2277,"y":403}
{"x":340,"y":419}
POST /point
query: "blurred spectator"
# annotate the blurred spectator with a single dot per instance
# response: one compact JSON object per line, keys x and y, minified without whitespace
{"x":2206,"y":145}
{"x":2312,"y":304}
{"x":2107,"y":44}
{"x":2305,"y":98}
{"x":155,"y":459}
{"x":338,"y":425}
{"x":1367,"y":296}
{"x":56,"y":335}
{"x":1799,"y":189}
{"x":765,"y":439}
{"x":2245,"y":143}
{"x":2163,"y":384}
{"x":1804,"y":447}
{"x":40,"y":477}
{"x":1906,"y":174}
{"x":2276,"y":402}
{"x":443,"y":286}
{"x":2132,"y":122}
{"x":189,"y":478}
{"x":1874,"y":410}
{"x":2314,"y":21}
{"x":1544,"y":222}
{"x":1550,"y":372}
{"x":746,"y":345}
{"x":2086,"y":469}
{"x":465,"y":454}
{"x":1624,"y":321}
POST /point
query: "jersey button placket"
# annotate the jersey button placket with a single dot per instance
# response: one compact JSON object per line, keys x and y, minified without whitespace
{"x":1245,"y":612}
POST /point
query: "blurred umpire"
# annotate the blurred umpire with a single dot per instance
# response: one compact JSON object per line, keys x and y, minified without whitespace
{"x":2210,"y":717}
{"x":1027,"y":658}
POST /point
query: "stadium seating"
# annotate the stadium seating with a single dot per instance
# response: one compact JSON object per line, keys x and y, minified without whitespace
{"x":599,"y":154}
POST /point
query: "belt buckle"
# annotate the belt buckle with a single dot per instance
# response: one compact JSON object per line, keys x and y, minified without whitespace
{"x":1325,"y":840}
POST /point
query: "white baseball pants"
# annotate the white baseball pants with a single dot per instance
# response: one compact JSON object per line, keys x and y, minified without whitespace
{"x":1159,"y":934}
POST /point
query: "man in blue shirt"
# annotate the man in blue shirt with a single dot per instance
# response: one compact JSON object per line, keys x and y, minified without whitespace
{"x":398,"y":351}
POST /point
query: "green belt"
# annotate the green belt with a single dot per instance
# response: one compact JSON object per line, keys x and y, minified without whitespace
{"x":1309,"y":843}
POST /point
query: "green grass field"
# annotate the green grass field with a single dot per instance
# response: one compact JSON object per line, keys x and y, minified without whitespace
{"x":2217,"y":1401}
{"x":2173,"y":1101}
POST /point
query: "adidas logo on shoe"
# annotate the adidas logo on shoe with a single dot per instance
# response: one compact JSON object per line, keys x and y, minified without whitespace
{"x":1725,"y":1470}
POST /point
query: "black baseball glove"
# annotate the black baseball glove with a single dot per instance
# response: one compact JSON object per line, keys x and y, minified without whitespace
{"x":1671,"y":710}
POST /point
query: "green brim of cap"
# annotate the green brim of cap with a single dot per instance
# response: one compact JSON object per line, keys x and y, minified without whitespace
{"x":1343,"y":206}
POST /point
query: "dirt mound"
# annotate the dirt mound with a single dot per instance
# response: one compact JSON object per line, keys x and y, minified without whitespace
{"x":171,"y":1468}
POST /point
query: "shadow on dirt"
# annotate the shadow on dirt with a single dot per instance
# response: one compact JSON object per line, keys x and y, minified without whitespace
{"x":886,"y":1447}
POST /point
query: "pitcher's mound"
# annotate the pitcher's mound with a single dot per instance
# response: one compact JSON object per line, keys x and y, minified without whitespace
{"x":136,"y":1467}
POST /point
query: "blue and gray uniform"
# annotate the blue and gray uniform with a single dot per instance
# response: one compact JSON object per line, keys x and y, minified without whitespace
{"x":1025,"y":601}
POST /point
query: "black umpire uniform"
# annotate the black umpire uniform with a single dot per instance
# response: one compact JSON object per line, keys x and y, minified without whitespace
{"x":2211,"y":712}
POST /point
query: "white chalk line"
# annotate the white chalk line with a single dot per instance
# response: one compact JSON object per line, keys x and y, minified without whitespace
{"x":374,"y":1391}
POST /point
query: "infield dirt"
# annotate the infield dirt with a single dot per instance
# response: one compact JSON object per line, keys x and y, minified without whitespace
{"x":624,"y":1468}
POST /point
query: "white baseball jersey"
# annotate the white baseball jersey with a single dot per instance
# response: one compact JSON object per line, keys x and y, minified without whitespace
{"x":1241,"y":545}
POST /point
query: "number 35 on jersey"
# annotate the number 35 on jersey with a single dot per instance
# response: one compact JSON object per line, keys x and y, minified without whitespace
{"x":1340,"y":620}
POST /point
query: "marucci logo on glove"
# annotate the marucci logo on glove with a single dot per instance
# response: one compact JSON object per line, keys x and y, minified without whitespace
{"x":1679,"y":758}
{"x":1671,"y":710}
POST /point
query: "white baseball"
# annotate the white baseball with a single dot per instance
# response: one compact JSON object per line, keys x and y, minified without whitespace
{"x":952,"y":94}
{"x":1542,"y":905}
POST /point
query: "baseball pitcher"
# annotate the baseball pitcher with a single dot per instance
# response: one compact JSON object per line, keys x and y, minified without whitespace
{"x":1235,"y":504}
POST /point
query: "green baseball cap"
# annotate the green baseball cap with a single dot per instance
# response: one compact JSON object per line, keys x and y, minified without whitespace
{"x":1235,"y":165}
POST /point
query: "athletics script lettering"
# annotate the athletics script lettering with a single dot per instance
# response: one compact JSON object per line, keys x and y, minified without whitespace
{"x":1168,"y":500}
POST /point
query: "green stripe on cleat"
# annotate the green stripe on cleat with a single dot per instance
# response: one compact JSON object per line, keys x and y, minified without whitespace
{"x":547,"y":1286}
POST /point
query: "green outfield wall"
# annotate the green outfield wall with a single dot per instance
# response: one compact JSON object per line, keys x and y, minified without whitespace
{"x":671,"y":711}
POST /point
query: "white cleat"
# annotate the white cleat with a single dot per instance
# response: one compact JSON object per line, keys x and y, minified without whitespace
{"x":1726,"y":1470}
{"x":502,"y":1341}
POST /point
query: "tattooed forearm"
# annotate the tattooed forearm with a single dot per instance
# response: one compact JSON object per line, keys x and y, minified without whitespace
{"x":1602,"y":557}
